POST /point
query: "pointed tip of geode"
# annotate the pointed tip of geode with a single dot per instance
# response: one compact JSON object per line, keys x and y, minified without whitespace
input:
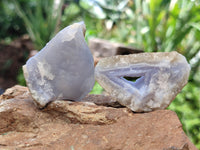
{"x":82,"y":25}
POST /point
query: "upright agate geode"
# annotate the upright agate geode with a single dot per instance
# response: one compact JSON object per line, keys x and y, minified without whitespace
{"x":161,"y":76}
{"x":63,"y":69}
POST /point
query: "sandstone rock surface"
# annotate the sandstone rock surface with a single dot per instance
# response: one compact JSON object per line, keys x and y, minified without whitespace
{"x":67,"y":125}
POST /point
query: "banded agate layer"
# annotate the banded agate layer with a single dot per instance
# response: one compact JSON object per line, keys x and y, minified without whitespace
{"x":159,"y":78}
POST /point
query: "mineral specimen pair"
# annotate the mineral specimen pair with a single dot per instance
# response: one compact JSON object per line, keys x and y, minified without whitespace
{"x":64,"y":70}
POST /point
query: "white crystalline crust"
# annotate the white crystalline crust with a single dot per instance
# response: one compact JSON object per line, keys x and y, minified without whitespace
{"x":63,"y":69}
{"x":162,"y":76}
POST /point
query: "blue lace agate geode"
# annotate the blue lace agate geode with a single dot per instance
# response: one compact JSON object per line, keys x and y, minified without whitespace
{"x":161,"y":76}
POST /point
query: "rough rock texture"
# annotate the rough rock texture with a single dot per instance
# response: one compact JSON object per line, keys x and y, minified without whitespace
{"x":66,"y":125}
{"x":159,"y":77}
{"x":63,"y":69}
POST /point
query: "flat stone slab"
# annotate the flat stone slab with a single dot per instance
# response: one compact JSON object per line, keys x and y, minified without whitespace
{"x":71,"y":125}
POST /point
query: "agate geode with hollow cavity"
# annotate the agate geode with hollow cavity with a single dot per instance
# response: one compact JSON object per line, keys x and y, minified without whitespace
{"x":63,"y":69}
{"x":159,"y":77}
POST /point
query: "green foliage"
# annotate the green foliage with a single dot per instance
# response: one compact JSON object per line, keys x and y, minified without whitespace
{"x":97,"y":89}
{"x":10,"y":24}
{"x":41,"y":19}
{"x":187,"y":107}
{"x":79,"y":11}
{"x":20,"y":78}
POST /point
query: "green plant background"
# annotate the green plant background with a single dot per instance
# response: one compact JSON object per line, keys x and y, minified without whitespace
{"x":150,"y":25}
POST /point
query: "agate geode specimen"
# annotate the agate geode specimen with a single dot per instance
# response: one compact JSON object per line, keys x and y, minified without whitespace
{"x":160,"y":77}
{"x":63,"y":69}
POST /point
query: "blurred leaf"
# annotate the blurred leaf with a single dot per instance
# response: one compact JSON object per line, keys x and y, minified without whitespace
{"x":41,"y":21}
{"x":97,"y":89}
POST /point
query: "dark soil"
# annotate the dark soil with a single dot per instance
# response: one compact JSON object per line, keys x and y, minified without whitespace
{"x":12,"y":57}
